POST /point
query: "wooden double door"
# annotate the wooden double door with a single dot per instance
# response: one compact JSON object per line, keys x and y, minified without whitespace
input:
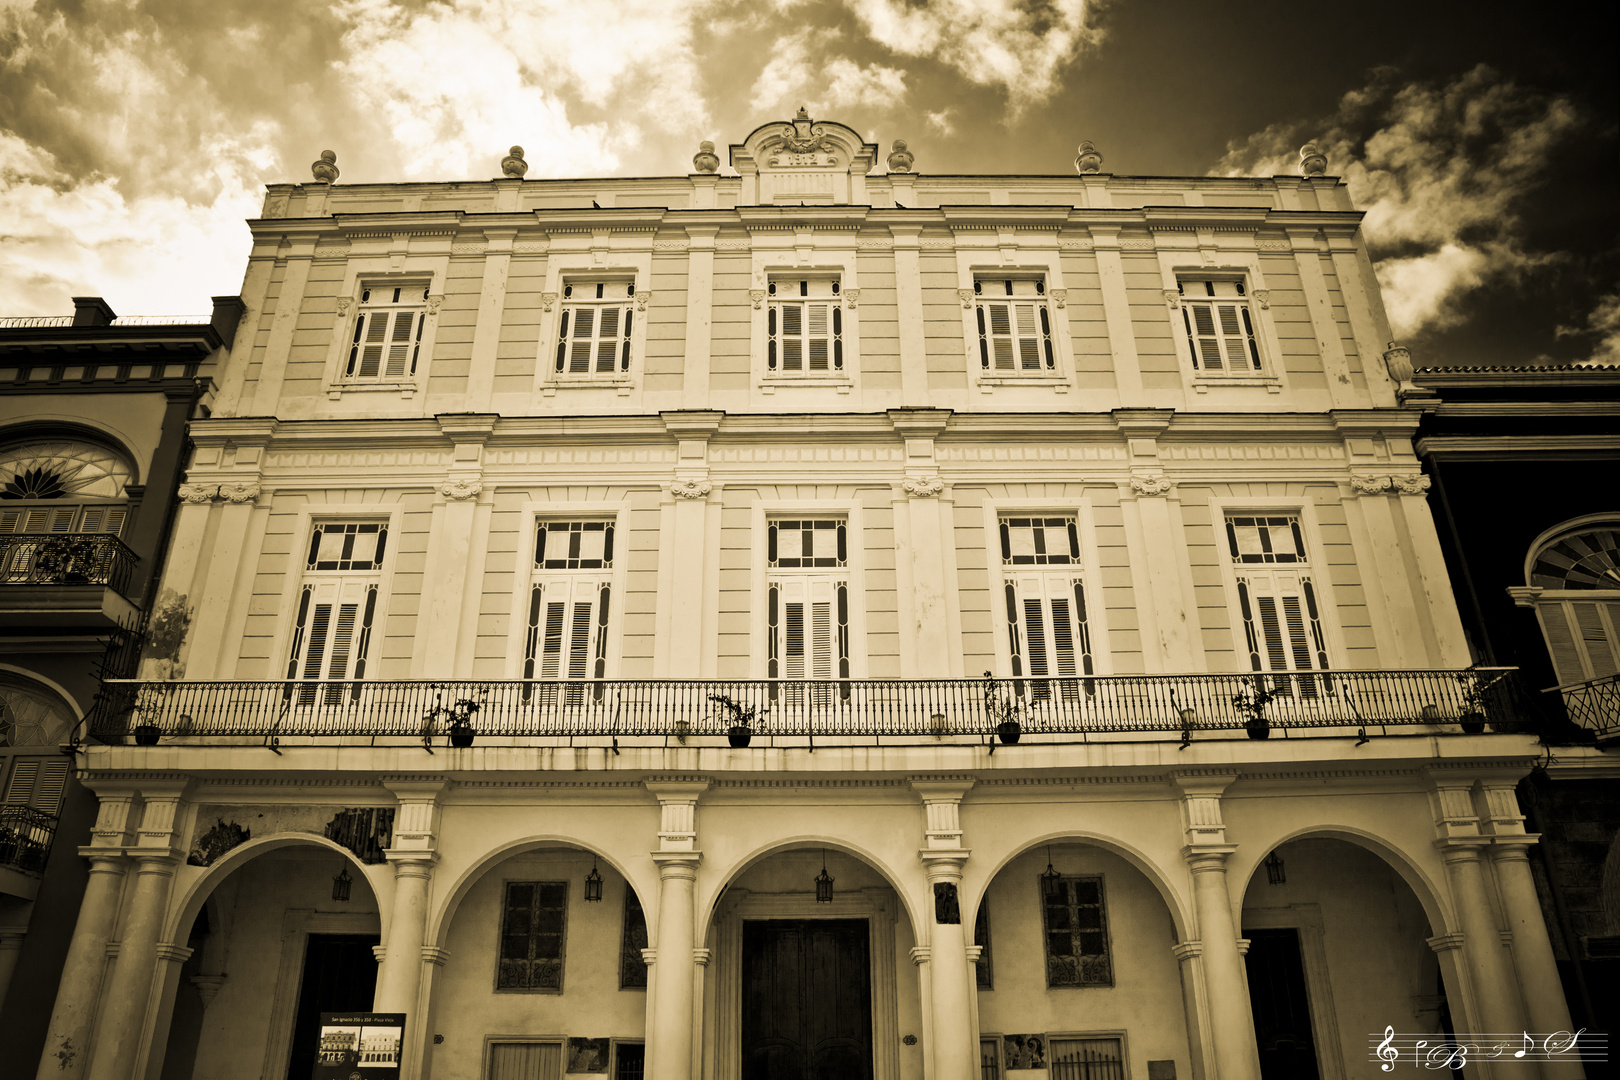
{"x":806,"y":999}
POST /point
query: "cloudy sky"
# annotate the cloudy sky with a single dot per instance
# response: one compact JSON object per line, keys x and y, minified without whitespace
{"x":1481,"y":138}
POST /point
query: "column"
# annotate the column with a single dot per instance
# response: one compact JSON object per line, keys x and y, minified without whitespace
{"x":278,"y":347}
{"x":671,"y":1013}
{"x":1546,"y":1011}
{"x":129,"y":988}
{"x":402,"y":955}
{"x":1199,"y":1047}
{"x":955,"y":1043}
{"x":171,"y":958}
{"x":1495,"y":988}
{"x":925,"y":995}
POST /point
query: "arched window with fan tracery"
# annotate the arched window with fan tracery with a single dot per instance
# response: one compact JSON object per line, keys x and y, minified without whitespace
{"x":1573,"y":573}
{"x":61,"y":485}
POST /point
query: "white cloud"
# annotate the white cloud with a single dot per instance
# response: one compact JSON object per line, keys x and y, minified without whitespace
{"x":1018,"y":46}
{"x":1441,"y":177}
{"x":941,"y":121}
{"x":1604,"y":323}
{"x":793,"y":77}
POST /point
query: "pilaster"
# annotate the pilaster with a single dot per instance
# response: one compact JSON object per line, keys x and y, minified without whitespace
{"x":930,"y":616}
{"x":684,"y":621}
{"x":491,"y":306}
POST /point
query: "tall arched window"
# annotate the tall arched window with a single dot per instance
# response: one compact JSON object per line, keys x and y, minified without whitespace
{"x":1573,"y":573}
{"x":60,"y":485}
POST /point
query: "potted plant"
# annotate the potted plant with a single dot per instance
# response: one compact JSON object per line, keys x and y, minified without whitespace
{"x":1253,"y":703}
{"x":147,"y":734}
{"x":461,"y":729}
{"x":1002,"y":712}
{"x":1473,"y":711}
{"x":740,"y":732}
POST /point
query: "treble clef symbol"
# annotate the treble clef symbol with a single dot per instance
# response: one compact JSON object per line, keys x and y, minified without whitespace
{"x":1387,"y":1053}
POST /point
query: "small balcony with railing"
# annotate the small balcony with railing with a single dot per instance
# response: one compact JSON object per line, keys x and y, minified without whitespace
{"x":26,"y":834}
{"x":65,"y":580}
{"x":1594,"y":706}
{"x":995,"y":715}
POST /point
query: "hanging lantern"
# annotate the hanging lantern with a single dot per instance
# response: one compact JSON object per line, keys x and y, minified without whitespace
{"x":1051,"y":880}
{"x":1274,"y":869}
{"x":824,"y":883}
{"x":593,"y":884}
{"x":341,"y":884}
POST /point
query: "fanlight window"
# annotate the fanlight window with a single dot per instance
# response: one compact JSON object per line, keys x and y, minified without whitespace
{"x":62,"y":486}
{"x":32,"y":716}
{"x":1578,"y":574}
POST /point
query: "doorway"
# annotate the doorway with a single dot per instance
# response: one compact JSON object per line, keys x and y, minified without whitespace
{"x":1282,"y":1011}
{"x":340,"y":975}
{"x":807,"y":999}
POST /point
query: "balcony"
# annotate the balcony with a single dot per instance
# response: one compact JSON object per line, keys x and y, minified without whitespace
{"x":65,"y":580}
{"x":783,"y":713}
{"x":25,"y":843}
{"x":1595,"y":706}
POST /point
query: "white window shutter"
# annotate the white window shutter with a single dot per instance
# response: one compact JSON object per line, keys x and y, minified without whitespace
{"x":607,"y":340}
{"x":332,"y":638}
{"x":1029,"y":345}
{"x":39,"y":519}
{"x":567,"y":636}
{"x":1051,"y":630}
{"x":1206,"y":343}
{"x":792,"y":337}
{"x":373,"y":343}
{"x":400,"y":343}
{"x":817,"y":346}
{"x":584,"y":337}
{"x":1001,"y":343}
{"x":808,"y":642}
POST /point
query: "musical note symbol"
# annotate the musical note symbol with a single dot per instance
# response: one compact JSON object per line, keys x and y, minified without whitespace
{"x":1387,"y":1053}
{"x":1529,"y":1044}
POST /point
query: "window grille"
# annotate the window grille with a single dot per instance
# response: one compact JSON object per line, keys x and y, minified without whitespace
{"x":804,"y":327}
{"x":1277,"y":599}
{"x":1219,"y":329}
{"x":1086,"y":1059}
{"x":990,"y":1058}
{"x":1076,"y":920}
{"x":593,"y":334}
{"x":534,"y":919}
{"x":1015,"y":327}
{"x":807,"y":613}
{"x":629,"y":1060}
{"x":387,"y":341}
{"x":1048,"y":632}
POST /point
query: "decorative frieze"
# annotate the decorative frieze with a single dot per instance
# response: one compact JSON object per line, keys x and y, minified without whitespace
{"x":1406,"y":484}
{"x":875,"y":243}
{"x":733,"y":243}
{"x":1075,"y":243}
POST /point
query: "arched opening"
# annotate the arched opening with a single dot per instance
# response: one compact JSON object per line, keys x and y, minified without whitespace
{"x":1337,"y":948}
{"x":1076,"y":969}
{"x":811,"y":969}
{"x":1573,"y":576}
{"x":543,"y":969}
{"x":61,"y":484}
{"x":34,"y":774}
{"x":284,"y":933}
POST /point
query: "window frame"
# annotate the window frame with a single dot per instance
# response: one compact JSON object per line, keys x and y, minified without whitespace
{"x":562,"y":958}
{"x":776,"y":299}
{"x":1116,"y":1035}
{"x":1244,"y":267}
{"x":1107,"y":933}
{"x":837,"y":264}
{"x":531,"y":515}
{"x":765,"y":511}
{"x":491,"y":1041}
{"x":573,"y":299}
{"x":1089,"y":571}
{"x":631,"y":267}
{"x":430,"y":272}
{"x":1018,"y":264}
{"x":1549,"y":603}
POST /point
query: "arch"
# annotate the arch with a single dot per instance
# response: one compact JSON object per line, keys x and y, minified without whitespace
{"x":438,"y":929}
{"x":55,"y":687}
{"x":1587,"y":523}
{"x":707,"y":903}
{"x":1433,"y":900}
{"x":182,"y":914}
{"x":34,"y":711}
{"x":99,"y":467}
{"x":1179,"y":917}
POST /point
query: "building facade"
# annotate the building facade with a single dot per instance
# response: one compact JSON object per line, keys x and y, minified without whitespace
{"x":92,"y":446}
{"x":814,"y":621}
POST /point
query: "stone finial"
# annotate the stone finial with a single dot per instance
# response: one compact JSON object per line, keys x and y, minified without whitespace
{"x":513,"y":165}
{"x":705,"y":161}
{"x":1087,"y":160}
{"x":1312,"y":162}
{"x":1398,"y":359}
{"x":325,"y":170}
{"x":900,"y":158}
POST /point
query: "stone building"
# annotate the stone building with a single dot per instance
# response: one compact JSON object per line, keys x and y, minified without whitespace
{"x":92,"y":445}
{"x":808,"y":620}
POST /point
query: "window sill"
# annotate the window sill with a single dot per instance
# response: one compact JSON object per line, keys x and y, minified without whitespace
{"x":841,"y":383}
{"x":623,"y":384}
{"x":1058,"y":383}
{"x":1201,"y":383}
{"x":405,"y":388}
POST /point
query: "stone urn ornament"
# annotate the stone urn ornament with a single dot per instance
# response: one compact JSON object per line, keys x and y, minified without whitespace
{"x":1087,"y":160}
{"x":705,"y":161}
{"x":1312,"y":162}
{"x":325,"y":170}
{"x":512,"y":165}
{"x":900,"y":159}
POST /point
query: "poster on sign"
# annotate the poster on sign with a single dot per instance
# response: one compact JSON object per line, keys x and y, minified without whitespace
{"x":359,"y":1046}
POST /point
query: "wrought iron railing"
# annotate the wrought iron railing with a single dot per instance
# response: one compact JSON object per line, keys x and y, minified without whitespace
{"x":1594,"y":705}
{"x":66,"y":559}
{"x":849,"y":710}
{"x":25,"y":838}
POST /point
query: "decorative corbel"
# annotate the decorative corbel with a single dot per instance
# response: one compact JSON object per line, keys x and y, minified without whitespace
{"x":690,"y":489}
{"x":197,"y":494}
{"x":1060,"y":297}
{"x":433,"y":302}
{"x":1371,"y":485}
{"x":1263,"y":297}
{"x":852,"y":298}
{"x":641,"y":301}
{"x":460,"y":490}
{"x":1411,"y":484}
{"x":923,"y":487}
{"x":546,"y":300}
{"x":1173,"y":298}
{"x":343,"y":303}
{"x":1151,"y":485}
{"x":239,"y":493}
{"x":757,"y":296}
{"x":967,"y":298}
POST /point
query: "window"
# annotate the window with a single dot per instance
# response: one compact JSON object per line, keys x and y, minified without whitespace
{"x":804,"y":328}
{"x":1282,"y":623}
{"x":629,"y":1060}
{"x":336,"y":611}
{"x":534,"y":916}
{"x":1015,"y":328}
{"x":387,"y":341}
{"x":990,"y":1057}
{"x":632,"y":966}
{"x":593,"y":334}
{"x":984,"y":973}
{"x":37,"y":783}
{"x":1215,"y":313}
{"x":807,"y":604}
{"x":1085,"y":1058}
{"x":1581,"y":621}
{"x":527,"y":1060}
{"x":1047,"y":631}
{"x":570,"y":601}
{"x":1077,"y":951}
{"x":62,"y":486}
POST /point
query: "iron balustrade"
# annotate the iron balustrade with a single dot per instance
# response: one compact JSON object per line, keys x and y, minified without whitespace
{"x":1594,"y":704}
{"x":840,"y":710}
{"x":25,"y":838}
{"x":66,"y":559}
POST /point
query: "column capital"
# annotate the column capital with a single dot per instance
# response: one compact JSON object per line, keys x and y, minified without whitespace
{"x":921,"y":954}
{"x":160,"y":863}
{"x":677,"y":800}
{"x":649,"y":957}
{"x":207,"y":987}
{"x":1201,"y":792}
{"x":1187,"y":950}
{"x":411,"y":862}
{"x":678,"y":864}
{"x":1445,"y":942}
{"x":104,"y":860}
{"x":1514,"y":846}
{"x":1202,"y":858}
{"x":435,"y":954}
{"x":973,"y":952}
{"x":700,"y":957}
{"x":379,"y":953}
{"x":172,"y":952}
{"x":943,"y":863}
{"x":1459,"y":849}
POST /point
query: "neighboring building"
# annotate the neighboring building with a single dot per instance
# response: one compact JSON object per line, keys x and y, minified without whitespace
{"x":1539,"y":588}
{"x":588,"y":585}
{"x":93,"y":414}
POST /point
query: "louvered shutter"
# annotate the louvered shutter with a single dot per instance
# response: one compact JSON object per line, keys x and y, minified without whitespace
{"x":1282,"y":625}
{"x":39,"y":783}
{"x":525,"y":1061}
{"x":372,"y":336}
{"x":1219,"y":329}
{"x":1015,"y":332}
{"x":567,"y":633}
{"x":1597,"y":624}
{"x":103,"y":519}
{"x":402,"y":344}
{"x":1568,"y":666}
{"x":1583,"y":638}
{"x":387,"y":338}
{"x":332,"y":637}
{"x":1001,"y":342}
{"x":810,"y":632}
{"x":1206,"y":344}
{"x":1049,"y":635}
{"x":39,"y":519}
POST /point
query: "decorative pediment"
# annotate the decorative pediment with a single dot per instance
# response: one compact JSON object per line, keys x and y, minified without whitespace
{"x":803,"y":161}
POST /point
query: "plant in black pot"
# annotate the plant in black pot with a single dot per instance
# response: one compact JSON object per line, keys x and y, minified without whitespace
{"x":1002,"y":711}
{"x":1473,"y":705}
{"x":147,"y":734}
{"x":1252,"y":704}
{"x":740,"y":732}
{"x":461,"y":729}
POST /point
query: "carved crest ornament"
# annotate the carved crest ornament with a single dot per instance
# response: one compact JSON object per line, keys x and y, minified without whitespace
{"x":802,"y":142}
